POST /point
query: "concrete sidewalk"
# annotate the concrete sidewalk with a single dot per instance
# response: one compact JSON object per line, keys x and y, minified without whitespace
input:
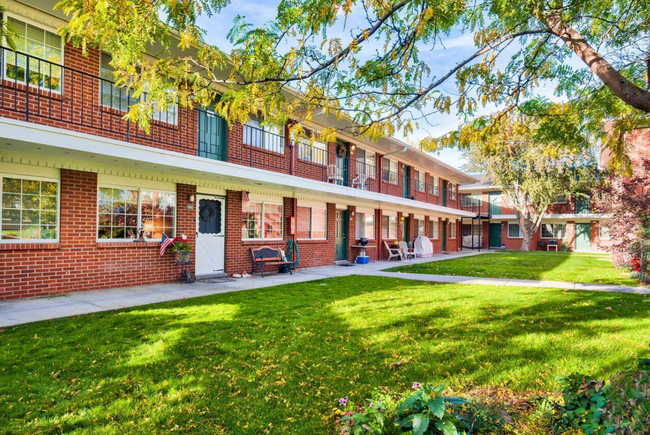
{"x":16,"y":312}
{"x":513,"y":282}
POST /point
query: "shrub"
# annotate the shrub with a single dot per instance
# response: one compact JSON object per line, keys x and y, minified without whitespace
{"x":595,"y":407}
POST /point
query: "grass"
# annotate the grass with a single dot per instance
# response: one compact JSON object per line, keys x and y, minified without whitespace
{"x":276,"y":360}
{"x":550,"y":266}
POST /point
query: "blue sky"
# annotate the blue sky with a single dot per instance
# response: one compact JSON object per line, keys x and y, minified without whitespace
{"x":439,"y":59}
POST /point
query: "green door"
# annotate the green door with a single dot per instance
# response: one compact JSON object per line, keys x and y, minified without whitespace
{"x":495,"y":235}
{"x":341,"y":236}
{"x":444,"y":235}
{"x":406,"y":229}
{"x":582,"y":205}
{"x":342,"y":169}
{"x":495,"y":203}
{"x":406,"y":182}
{"x":444,"y":193}
{"x":212,"y":135}
{"x":583,"y":237}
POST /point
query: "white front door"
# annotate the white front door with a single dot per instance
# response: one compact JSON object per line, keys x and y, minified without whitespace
{"x":210,"y":235}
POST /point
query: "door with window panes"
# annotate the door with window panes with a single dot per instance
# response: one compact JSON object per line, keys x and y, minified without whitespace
{"x":210,"y":235}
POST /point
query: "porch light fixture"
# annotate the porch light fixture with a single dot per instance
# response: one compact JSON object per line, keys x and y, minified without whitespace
{"x":191,"y":198}
{"x":353,"y":147}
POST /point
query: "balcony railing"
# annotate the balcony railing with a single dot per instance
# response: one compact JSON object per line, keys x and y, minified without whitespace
{"x":476,"y":206}
{"x":55,"y":95}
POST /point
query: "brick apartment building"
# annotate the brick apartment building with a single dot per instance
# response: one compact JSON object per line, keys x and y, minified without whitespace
{"x":80,"y":185}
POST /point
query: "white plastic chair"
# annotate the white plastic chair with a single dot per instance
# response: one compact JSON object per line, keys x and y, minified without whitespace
{"x":407,"y":253}
{"x":393,"y":252}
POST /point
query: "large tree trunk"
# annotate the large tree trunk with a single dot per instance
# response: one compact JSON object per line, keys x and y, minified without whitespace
{"x":525,"y":243}
{"x":624,"y":89}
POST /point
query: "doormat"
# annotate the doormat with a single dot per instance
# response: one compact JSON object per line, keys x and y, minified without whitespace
{"x":346,"y":264}
{"x":216,"y":280}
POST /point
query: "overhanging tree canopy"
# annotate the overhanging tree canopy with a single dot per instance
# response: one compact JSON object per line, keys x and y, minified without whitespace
{"x":376,"y":74}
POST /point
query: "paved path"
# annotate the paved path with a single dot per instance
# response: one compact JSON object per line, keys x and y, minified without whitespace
{"x":32,"y":310}
{"x":512,"y":282}
{"x":16,"y":312}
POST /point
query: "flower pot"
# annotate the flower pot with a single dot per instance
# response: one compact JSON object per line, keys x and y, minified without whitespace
{"x":183,"y":256}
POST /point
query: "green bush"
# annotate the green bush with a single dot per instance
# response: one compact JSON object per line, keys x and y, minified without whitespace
{"x":621,"y":406}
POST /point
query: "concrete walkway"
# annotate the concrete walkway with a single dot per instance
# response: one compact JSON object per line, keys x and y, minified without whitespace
{"x":16,"y":312}
{"x":32,"y":310}
{"x":514,"y":282}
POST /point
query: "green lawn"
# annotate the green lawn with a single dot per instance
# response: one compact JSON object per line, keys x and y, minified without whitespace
{"x":550,"y":266}
{"x":276,"y":360}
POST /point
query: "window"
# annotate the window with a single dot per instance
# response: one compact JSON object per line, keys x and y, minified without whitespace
{"x":261,"y":220}
{"x":122,"y":212}
{"x":604,"y":231}
{"x":434,"y":186}
{"x":514,"y":231}
{"x":366,"y":225}
{"x":420,"y":227}
{"x":452,"y":191}
{"x":420,"y":181}
{"x":561,"y":199}
{"x":263,"y":136}
{"x":120,"y":98}
{"x":553,"y":231}
{"x":29,"y":209}
{"x":389,"y":227}
{"x":472,"y":229}
{"x":434,"y":228}
{"x":41,"y":44}
{"x":452,"y":230}
{"x":312,"y":223}
{"x":389,"y":173}
{"x":366,"y":161}
{"x":315,"y":152}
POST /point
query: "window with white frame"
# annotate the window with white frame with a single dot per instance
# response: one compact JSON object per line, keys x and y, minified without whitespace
{"x":420,"y":227}
{"x":452,"y":191}
{"x":389,"y":227}
{"x":366,"y":163}
{"x":420,"y":181}
{"x":263,"y":136}
{"x":41,"y":44}
{"x":452,"y":230}
{"x":311,"y":223}
{"x":30,"y":210}
{"x":390,"y":171}
{"x":561,"y":199}
{"x":475,"y":229}
{"x":120,"y":98}
{"x":365,"y":225}
{"x":604,"y":231}
{"x":261,"y":220}
{"x":121,"y":212}
{"x":311,"y":150}
{"x":434,"y":185}
{"x":434,"y":228}
{"x":553,"y":231}
{"x":514,"y":231}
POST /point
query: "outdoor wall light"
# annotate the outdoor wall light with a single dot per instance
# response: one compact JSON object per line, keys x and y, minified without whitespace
{"x":191,"y":198}
{"x":353,"y":147}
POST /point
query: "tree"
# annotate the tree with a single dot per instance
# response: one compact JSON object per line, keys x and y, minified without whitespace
{"x":628,"y":201}
{"x":514,"y":153}
{"x":378,"y":76}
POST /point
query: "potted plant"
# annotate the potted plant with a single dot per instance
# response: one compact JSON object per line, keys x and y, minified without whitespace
{"x":565,"y":246}
{"x":182,"y":251}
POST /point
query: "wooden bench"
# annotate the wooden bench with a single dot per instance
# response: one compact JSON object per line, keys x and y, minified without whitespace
{"x":266,"y":255}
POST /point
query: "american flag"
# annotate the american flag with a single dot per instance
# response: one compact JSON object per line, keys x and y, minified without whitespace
{"x":164,"y":244}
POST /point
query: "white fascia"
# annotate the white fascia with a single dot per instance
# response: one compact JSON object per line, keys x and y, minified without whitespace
{"x":86,"y":145}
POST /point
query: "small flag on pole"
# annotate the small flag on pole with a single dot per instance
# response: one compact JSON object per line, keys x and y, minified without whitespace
{"x":244,"y":196}
{"x":164,"y":244}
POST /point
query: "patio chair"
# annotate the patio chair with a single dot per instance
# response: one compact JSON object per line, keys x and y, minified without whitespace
{"x":333,"y":175}
{"x":407,"y":252}
{"x":393,"y":252}
{"x":360,"y":182}
{"x":541,"y":244}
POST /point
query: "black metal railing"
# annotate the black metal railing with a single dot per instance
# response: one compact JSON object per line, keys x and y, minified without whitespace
{"x":264,"y":139}
{"x":56,"y":95}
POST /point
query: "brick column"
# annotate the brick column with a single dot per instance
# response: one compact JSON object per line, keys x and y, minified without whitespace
{"x":352,"y":232}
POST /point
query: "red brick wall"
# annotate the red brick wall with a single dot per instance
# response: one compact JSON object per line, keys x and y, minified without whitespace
{"x":238,"y":252}
{"x":78,"y":261}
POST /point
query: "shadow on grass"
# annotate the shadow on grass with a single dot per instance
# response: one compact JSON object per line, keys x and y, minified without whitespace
{"x":276,"y":360}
